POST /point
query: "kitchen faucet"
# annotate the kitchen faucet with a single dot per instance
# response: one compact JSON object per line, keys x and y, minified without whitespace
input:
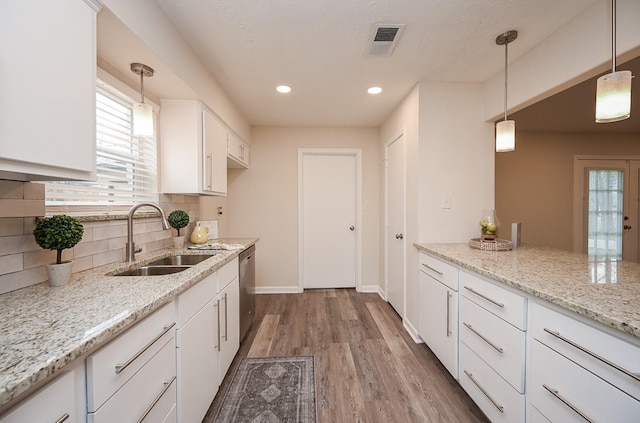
{"x":131,"y":247}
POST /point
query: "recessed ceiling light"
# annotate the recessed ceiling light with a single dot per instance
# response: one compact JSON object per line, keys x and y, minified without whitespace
{"x":283,"y":89}
{"x":374,"y":90}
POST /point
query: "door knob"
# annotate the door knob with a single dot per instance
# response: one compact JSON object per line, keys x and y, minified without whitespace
{"x":399,"y":236}
{"x":352,"y":228}
{"x":627,"y":227}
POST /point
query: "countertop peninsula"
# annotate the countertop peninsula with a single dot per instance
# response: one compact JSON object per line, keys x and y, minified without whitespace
{"x":607,"y":291}
{"x":44,"y":329}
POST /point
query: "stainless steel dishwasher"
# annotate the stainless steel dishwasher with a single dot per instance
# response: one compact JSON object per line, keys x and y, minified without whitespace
{"x":247,"y":271}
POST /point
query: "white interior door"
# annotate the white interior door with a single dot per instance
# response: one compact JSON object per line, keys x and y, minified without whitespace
{"x":395,"y":243}
{"x":328,"y":226}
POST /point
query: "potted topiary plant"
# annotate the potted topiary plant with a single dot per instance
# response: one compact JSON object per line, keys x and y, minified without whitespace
{"x":178,"y":219}
{"x":58,"y":233}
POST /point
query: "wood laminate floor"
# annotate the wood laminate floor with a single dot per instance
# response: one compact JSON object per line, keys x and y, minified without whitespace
{"x":368,"y":369}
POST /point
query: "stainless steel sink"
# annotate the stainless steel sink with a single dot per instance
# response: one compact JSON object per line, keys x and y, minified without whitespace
{"x":156,"y":270}
{"x":181,"y":260}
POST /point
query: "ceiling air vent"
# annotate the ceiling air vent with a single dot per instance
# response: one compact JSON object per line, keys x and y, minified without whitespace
{"x":384,"y":38}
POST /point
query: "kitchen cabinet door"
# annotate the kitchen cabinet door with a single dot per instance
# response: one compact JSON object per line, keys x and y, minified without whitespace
{"x":193,"y":149}
{"x":47,"y":106}
{"x":438,"y":320}
{"x":237,"y":152}
{"x":198,"y":358}
{"x":229,"y":325}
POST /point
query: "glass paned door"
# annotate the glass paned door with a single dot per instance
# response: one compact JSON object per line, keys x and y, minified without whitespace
{"x":605,"y":213}
{"x":606,"y":210}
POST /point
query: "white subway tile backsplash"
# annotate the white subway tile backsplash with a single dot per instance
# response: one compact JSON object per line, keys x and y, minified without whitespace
{"x":22,"y":260}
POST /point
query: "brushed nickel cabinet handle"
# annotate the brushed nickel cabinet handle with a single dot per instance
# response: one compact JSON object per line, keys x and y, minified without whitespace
{"x":632,"y":375}
{"x":432,"y":269}
{"x":226,"y":315}
{"x":486,"y":394}
{"x":121,"y":367}
{"x":217,"y":306}
{"x":494,"y":346}
{"x":155,"y":401}
{"x":556,"y":394}
{"x":64,"y":418}
{"x":448,"y":308}
{"x":501,"y":305}
{"x":209,"y":171}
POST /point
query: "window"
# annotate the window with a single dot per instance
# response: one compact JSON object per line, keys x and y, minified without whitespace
{"x":126,"y":165}
{"x":605,"y":213}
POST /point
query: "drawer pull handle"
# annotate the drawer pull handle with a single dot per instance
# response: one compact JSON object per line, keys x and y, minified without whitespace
{"x":499,"y":349}
{"x":635,"y":376}
{"x":501,"y":305}
{"x":556,"y":394}
{"x":432,"y":269}
{"x":486,"y":394}
{"x":121,"y":367}
{"x":155,"y":401}
{"x":64,"y":418}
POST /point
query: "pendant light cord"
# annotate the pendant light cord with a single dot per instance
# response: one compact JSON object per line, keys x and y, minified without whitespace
{"x":142,"y":87}
{"x":613,"y":36}
{"x":506,"y":76}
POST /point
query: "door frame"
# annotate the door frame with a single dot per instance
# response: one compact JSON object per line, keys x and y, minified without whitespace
{"x":400,"y":134}
{"x":630,"y":204}
{"x":357,"y":153}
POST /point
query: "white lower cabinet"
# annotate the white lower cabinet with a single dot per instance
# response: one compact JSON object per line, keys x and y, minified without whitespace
{"x":133,"y":378}
{"x":198,"y":350}
{"x":495,"y":397}
{"x":55,"y":402}
{"x":579,"y":372}
{"x":207,"y":339}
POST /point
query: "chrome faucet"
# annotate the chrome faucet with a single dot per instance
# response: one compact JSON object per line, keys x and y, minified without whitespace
{"x":131,"y":246}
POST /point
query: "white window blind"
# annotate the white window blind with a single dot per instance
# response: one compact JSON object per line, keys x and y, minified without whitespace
{"x":126,"y":165}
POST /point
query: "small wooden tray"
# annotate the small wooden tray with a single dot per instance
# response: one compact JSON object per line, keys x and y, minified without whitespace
{"x":491,"y":245}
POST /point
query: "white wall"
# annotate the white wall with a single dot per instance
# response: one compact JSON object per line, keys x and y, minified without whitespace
{"x":263,"y":200}
{"x":450,"y":151}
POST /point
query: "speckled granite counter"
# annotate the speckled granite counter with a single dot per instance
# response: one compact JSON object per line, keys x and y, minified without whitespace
{"x":605,"y":291}
{"x":44,"y":329}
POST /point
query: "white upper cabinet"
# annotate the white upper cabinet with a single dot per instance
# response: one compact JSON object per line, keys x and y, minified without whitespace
{"x":47,"y":81}
{"x":237,"y":152}
{"x":193,"y":149}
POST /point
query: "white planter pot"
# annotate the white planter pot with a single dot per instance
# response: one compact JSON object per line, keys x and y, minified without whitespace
{"x":178,"y":242}
{"x":59,"y":274}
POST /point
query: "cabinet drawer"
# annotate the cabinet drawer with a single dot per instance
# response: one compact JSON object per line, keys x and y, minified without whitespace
{"x":227,"y":273}
{"x":505,"y":304}
{"x":151,"y":392}
{"x":609,"y":357}
{"x":500,"y":345}
{"x":536,"y":416}
{"x":439,"y":269}
{"x":192,"y":300}
{"x":561,"y":390}
{"x":495,"y":397}
{"x":50,"y":404}
{"x":132,"y":350}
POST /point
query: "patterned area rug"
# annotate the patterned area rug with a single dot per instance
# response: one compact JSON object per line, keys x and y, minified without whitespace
{"x":271,"y":390}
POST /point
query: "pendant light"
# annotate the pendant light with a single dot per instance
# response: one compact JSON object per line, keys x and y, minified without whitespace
{"x":506,"y":130}
{"x":142,"y":113}
{"x":613,"y":91}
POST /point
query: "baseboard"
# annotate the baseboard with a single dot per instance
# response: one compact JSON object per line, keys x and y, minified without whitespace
{"x":413,"y":332}
{"x":369,"y":288}
{"x":277,"y":290}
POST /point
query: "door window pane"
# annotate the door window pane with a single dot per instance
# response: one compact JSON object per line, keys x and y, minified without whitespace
{"x":605,"y":213}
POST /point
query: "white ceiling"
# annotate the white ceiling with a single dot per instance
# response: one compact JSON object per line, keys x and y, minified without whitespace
{"x":319,"y":49}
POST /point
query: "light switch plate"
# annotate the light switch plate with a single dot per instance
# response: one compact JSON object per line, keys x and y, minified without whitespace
{"x":212,"y":225}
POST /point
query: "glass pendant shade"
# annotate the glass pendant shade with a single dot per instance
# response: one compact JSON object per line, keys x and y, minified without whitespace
{"x":613,"y":97}
{"x":142,"y":120}
{"x":506,"y":136}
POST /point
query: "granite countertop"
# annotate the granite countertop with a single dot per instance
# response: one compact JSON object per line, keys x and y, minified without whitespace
{"x":44,"y":329}
{"x":606,"y":291}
